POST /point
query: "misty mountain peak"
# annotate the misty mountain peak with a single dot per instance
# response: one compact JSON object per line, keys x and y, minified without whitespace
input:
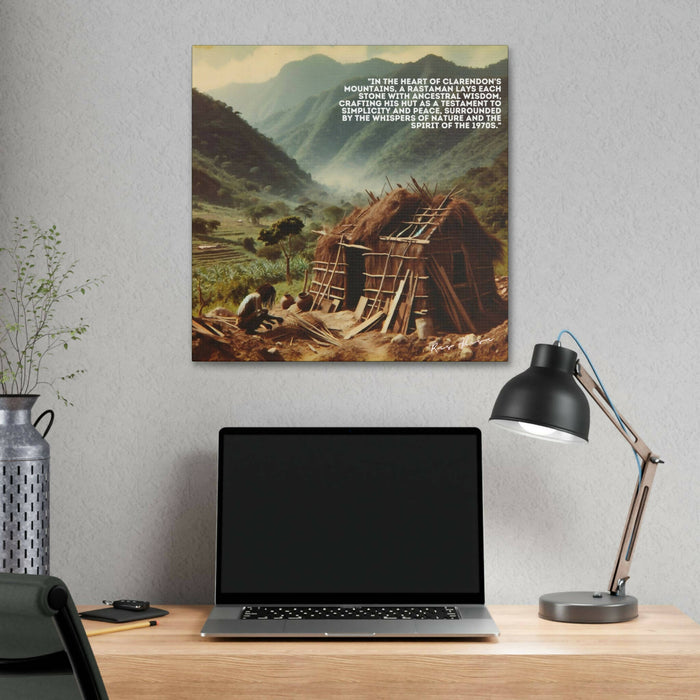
{"x":315,"y":62}
{"x":434,"y":61}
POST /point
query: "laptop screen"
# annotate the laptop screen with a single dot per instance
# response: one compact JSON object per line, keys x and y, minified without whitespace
{"x":349,"y":515}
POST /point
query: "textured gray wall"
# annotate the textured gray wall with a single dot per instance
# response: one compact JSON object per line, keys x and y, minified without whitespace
{"x":95,"y":136}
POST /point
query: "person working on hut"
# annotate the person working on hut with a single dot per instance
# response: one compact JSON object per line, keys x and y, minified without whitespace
{"x":253,"y":311}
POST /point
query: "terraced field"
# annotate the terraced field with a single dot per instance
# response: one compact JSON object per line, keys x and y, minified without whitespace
{"x":204,"y":254}
{"x":223,"y":245}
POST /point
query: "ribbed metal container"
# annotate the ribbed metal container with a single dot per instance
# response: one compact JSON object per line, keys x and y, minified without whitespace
{"x":24,"y":480}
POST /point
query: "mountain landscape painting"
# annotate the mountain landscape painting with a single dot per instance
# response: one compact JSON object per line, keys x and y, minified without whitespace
{"x":350,"y":203}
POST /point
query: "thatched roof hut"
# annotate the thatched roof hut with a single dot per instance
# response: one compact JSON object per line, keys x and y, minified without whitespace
{"x":422,"y":254}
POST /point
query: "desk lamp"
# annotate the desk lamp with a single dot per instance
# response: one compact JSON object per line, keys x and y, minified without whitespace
{"x":546,"y":402}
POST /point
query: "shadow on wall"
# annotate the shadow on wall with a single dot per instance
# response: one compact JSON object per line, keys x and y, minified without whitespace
{"x":530,"y":525}
{"x":184,"y":564}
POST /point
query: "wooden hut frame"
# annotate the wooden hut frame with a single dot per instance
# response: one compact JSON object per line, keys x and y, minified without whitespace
{"x":418,"y":255}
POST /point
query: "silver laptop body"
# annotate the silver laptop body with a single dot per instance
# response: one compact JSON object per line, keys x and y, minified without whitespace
{"x":349,"y":532}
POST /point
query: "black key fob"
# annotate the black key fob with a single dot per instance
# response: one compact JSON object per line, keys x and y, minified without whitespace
{"x":133,"y":605}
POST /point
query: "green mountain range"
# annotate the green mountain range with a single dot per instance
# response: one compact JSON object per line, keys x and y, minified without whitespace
{"x":231,"y":159}
{"x":298,"y":110}
{"x":296,"y":81}
{"x":362,"y":154}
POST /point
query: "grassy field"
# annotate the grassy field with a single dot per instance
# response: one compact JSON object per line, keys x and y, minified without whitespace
{"x":226,"y":285}
{"x":223,"y":271}
{"x":233,"y":222}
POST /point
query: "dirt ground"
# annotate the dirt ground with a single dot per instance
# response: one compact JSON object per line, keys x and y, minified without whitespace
{"x":221,"y":341}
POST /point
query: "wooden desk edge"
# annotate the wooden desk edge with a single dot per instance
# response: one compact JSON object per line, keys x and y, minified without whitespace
{"x":662,"y":630}
{"x":657,"y":655}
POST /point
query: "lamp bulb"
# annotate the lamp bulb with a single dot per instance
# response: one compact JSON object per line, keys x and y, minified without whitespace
{"x":538,"y":430}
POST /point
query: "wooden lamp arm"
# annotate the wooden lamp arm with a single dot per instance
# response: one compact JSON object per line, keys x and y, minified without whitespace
{"x":639,"y":499}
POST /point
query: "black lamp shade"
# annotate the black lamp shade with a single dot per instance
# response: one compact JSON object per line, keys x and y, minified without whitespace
{"x":545,"y":400}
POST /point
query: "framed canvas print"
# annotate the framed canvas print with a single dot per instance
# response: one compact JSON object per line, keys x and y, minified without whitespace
{"x":350,"y":203}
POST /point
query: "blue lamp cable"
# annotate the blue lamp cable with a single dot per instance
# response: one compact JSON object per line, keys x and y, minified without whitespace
{"x":607,"y":397}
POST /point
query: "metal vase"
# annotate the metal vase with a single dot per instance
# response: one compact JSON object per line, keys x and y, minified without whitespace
{"x":24,"y":477}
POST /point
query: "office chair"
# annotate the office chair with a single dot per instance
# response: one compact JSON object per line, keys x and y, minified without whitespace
{"x":44,"y":652}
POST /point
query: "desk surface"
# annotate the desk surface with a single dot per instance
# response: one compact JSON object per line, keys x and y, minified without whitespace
{"x":655,"y":655}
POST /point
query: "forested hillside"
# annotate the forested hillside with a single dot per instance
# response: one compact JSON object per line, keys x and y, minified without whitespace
{"x":230,"y":158}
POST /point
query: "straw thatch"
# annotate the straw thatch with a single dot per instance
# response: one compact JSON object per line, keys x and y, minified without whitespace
{"x":426,"y":251}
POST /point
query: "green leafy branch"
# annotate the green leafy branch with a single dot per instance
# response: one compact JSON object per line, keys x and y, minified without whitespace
{"x":280,"y":233}
{"x":29,"y":333}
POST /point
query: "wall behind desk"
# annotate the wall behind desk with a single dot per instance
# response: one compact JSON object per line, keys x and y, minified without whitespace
{"x":95,"y":137}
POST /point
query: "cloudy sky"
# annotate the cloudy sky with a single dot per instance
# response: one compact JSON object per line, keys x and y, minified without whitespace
{"x":216,"y":66}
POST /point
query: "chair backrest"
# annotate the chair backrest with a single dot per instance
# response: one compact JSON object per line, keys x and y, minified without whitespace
{"x":44,"y":651}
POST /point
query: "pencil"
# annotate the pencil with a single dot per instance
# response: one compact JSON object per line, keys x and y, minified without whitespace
{"x":122,"y":628}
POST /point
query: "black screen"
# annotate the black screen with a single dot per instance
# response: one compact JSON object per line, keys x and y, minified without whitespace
{"x":350,"y":515}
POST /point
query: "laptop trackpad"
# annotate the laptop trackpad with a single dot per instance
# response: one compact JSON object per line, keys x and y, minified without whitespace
{"x":350,"y":628}
{"x":254,"y":628}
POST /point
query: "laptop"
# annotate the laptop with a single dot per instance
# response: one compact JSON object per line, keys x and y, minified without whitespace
{"x":349,"y":533}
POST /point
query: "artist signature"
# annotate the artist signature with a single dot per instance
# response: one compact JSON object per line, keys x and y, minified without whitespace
{"x":436,"y":347}
{"x":463,"y":343}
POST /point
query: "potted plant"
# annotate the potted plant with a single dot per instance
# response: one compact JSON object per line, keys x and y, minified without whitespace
{"x":40,"y":281}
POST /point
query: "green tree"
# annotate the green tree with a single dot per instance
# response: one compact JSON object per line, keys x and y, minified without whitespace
{"x":305,"y":210}
{"x":269,"y":252}
{"x":249,"y":244}
{"x":258,"y":212}
{"x":281,"y":233}
{"x":203,"y":226}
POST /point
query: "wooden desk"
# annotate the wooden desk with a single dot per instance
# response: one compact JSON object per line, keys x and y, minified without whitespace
{"x":656,"y":655}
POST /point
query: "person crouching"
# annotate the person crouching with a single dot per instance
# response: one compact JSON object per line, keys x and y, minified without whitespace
{"x":253,"y":311}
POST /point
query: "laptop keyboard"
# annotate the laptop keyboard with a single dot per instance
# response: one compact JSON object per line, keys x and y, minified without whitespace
{"x":362,"y":612}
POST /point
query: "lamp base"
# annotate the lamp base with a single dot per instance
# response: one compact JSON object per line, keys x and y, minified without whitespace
{"x":587,"y":607}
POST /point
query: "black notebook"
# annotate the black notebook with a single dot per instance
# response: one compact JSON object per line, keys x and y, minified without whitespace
{"x":118,"y":615}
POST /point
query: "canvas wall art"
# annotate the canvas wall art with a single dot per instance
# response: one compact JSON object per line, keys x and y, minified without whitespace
{"x":350,"y":203}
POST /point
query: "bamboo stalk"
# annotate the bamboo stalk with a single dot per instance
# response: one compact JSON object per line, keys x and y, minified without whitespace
{"x":394,"y":304}
{"x":381,"y":282}
{"x":405,"y":257}
{"x":409,"y":305}
{"x":224,"y":320}
{"x":318,"y":330}
{"x":387,"y":276}
{"x":422,"y":241}
{"x":203,"y":330}
{"x":330,"y":279}
{"x":449,"y":292}
{"x":365,"y":325}
{"x":354,"y":245}
{"x":320,"y":291}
